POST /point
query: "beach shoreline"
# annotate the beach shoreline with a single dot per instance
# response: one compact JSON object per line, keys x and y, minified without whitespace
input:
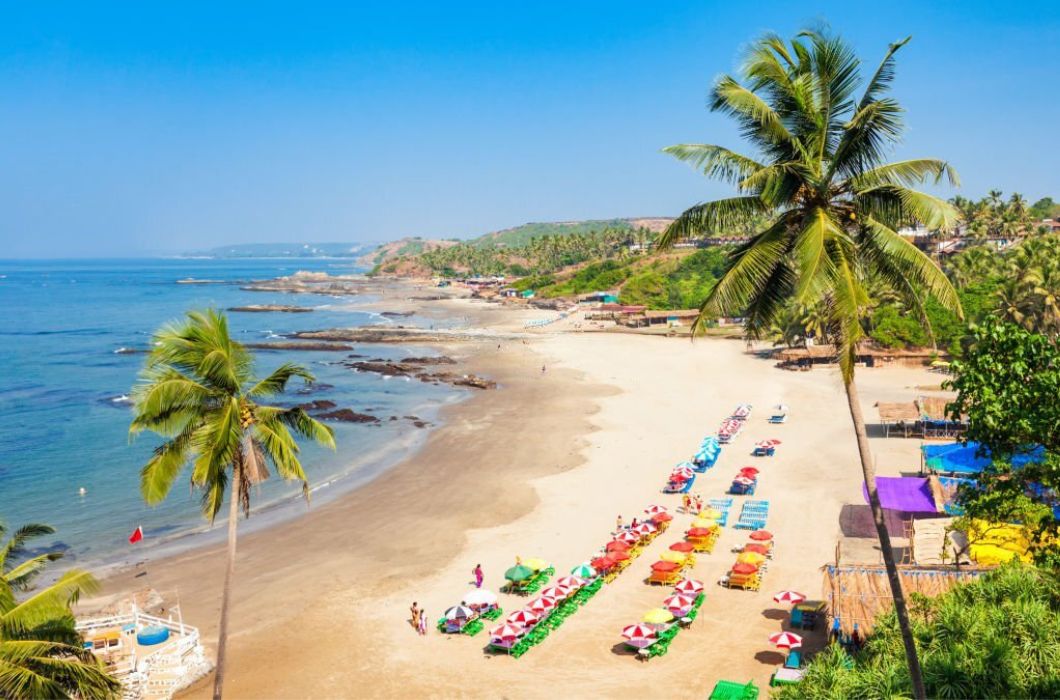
{"x":539,"y":467}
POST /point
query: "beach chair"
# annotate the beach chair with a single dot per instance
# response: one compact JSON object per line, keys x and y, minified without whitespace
{"x":664,"y":578}
{"x":778,"y":418}
{"x":720,"y":503}
{"x":794,"y":659}
{"x":730,"y":690}
{"x":786,"y":676}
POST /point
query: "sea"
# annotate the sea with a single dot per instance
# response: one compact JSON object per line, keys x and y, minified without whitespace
{"x":66,"y":458}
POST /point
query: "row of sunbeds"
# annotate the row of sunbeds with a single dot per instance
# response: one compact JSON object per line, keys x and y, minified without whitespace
{"x":753,"y":515}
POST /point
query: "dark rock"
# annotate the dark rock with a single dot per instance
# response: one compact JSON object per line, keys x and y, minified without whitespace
{"x":397,"y":314}
{"x":347,"y":415}
{"x":318,"y":405}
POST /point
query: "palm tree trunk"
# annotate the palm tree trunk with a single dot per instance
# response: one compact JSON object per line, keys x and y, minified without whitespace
{"x":869,"y":473}
{"x":230,"y":572}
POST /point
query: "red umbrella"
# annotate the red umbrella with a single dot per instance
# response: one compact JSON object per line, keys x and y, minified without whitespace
{"x":786,"y":640}
{"x":683,"y":547}
{"x":792,"y":597}
{"x":665,"y":566}
{"x":644,"y":529}
{"x":618,"y":555}
{"x":638,"y":632}
{"x":555,"y":592}
{"x":507,"y":632}
{"x":617,"y":546}
{"x":744,"y":568}
{"x":523,"y":618}
{"x":689,"y":586}
{"x":753,"y":547}
{"x":661,"y":518}
{"x":749,"y":470}
{"x":700,"y":532}
{"x":627,"y":537}
{"x":655,"y":510}
{"x":541,"y":605}
{"x":678,"y":601}
{"x":680,"y":477}
{"x":602,"y":563}
{"x":570,"y":582}
{"x":761,"y":535}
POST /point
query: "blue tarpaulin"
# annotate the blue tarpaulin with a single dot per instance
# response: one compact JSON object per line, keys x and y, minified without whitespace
{"x":957,"y":458}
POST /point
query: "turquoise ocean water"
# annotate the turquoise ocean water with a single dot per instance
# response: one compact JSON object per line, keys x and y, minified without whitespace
{"x":64,"y":416}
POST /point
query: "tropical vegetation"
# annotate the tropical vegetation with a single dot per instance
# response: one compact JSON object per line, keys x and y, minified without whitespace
{"x":198,"y":390}
{"x":41,"y":655}
{"x":819,"y":136}
{"x":998,"y":637}
{"x":1007,"y":384}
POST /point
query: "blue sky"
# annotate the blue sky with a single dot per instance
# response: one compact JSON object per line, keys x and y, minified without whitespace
{"x":143,"y":128}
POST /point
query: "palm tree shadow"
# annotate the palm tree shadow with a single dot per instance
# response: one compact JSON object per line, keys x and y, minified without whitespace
{"x":769,"y":658}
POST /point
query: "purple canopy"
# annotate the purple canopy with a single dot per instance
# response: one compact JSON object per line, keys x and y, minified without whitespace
{"x":908,"y":493}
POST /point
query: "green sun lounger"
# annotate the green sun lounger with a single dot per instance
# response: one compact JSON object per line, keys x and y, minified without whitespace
{"x":731,"y":690}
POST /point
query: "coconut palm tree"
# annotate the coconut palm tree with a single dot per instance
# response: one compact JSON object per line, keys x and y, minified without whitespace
{"x":41,"y":655}
{"x":198,"y":390}
{"x":834,"y":207}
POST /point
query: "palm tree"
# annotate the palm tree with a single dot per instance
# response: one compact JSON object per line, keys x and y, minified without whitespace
{"x":41,"y":655}
{"x":198,"y":390}
{"x":834,"y":207}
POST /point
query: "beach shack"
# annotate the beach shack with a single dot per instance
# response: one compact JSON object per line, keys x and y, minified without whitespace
{"x":599,"y":298}
{"x":669,"y":318}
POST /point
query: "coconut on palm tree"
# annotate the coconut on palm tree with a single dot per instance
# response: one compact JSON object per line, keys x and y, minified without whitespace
{"x":834,"y":205}
{"x":199,"y":391}
{"x":41,"y":655}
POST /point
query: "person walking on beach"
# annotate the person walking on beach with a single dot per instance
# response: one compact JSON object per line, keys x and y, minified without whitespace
{"x":422,"y":626}
{"x":686,"y":502}
{"x":415,"y":619}
{"x":542,"y":369}
{"x":618,"y":524}
{"x":478,"y":575}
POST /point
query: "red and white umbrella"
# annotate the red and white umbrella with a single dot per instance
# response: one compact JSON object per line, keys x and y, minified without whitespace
{"x":507,"y":632}
{"x":644,"y":529}
{"x":570,"y":582}
{"x":638,"y":632}
{"x":792,"y":597}
{"x":684,"y":472}
{"x":679,"y":601}
{"x":555,"y":592}
{"x":627,"y":537}
{"x":541,"y":605}
{"x":459,"y":612}
{"x":689,"y":586}
{"x":786,"y":640}
{"x":655,"y":510}
{"x":523,"y":618}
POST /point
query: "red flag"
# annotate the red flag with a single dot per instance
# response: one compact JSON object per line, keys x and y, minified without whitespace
{"x":138,"y":534}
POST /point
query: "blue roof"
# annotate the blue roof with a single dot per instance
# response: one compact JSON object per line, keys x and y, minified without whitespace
{"x":960,"y":458}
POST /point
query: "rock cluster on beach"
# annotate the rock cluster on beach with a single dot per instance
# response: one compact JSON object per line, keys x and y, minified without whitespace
{"x":279,"y":308}
{"x":397,"y":334}
{"x":309,"y":283}
{"x":414,"y":367}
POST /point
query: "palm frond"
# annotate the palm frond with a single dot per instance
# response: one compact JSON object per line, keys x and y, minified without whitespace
{"x":717,"y":217}
{"x":906,"y":173}
{"x":276,"y":382}
{"x":716,"y":162}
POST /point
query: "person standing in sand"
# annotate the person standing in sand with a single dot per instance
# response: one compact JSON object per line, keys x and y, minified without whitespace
{"x":618,"y":524}
{"x":685,"y":502}
{"x":416,"y":613}
{"x":422,"y":626}
{"x":477,"y":571}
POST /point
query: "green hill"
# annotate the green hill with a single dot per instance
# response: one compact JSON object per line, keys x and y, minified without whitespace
{"x":521,"y":235}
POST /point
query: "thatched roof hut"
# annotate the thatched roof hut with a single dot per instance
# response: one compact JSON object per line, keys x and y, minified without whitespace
{"x":860,"y":592}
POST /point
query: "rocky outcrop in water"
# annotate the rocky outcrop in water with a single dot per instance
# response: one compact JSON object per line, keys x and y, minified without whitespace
{"x":347,"y":415}
{"x":414,"y":368}
{"x":278,"y":308}
{"x":321,"y":347}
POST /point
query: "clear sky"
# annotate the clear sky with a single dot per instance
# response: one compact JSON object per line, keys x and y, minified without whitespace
{"x":140,"y":128}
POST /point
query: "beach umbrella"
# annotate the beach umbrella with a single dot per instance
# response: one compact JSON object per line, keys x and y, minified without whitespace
{"x":507,"y":632}
{"x":555,"y":592}
{"x":678,"y":601}
{"x":541,"y":605}
{"x":792,"y":597}
{"x":676,"y":557}
{"x":751,"y":471}
{"x":618,"y":555}
{"x":658,"y":616}
{"x":699,"y":532}
{"x":665,"y":566}
{"x":643,"y":529}
{"x":689,"y":586}
{"x":761,"y":536}
{"x":638,"y":631}
{"x":617,"y":546}
{"x":750,"y":558}
{"x":570,"y":582}
{"x":755,"y":547}
{"x":535,"y":564}
{"x":744,"y":568}
{"x":786,"y":640}
{"x":774,"y":441}
{"x":703,"y":523}
{"x":518,"y":573}
{"x":682,"y":472}
{"x":603,"y":563}
{"x":682,"y":547}
{"x":661,"y":518}
{"x":523,"y":618}
{"x":480,"y":596}
{"x":678,"y":478}
{"x":627,"y":537}
{"x":459,"y":612}
{"x":655,"y":510}
{"x":583,"y":571}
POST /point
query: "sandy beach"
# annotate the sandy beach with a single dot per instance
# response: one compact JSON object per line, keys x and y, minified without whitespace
{"x":540,"y":468}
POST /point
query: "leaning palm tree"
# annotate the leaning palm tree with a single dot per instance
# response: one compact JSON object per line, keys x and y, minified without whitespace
{"x":41,"y":655}
{"x":198,"y":390}
{"x":833,"y":206}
